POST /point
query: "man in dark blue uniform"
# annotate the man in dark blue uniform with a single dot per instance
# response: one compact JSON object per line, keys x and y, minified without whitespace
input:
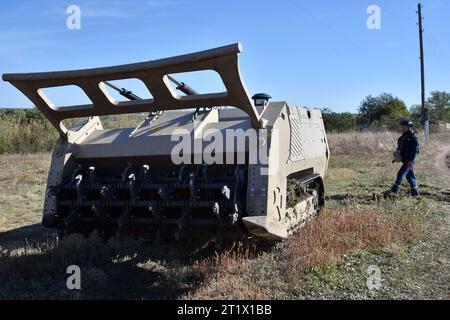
{"x":407,"y":151}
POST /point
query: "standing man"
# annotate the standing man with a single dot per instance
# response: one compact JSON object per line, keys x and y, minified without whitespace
{"x":407,"y":151}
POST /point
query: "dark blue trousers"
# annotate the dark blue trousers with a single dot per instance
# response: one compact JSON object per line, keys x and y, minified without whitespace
{"x":408,"y":173}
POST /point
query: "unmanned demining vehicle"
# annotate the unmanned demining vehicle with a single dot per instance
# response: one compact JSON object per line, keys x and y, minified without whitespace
{"x":201,"y":165}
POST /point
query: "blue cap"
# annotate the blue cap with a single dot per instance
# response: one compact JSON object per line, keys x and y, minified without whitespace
{"x":406,"y":123}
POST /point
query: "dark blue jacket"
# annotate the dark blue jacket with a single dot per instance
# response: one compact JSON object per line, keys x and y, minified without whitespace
{"x":408,"y":144}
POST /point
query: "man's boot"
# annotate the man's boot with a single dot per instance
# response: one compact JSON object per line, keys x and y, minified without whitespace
{"x":415,"y":192}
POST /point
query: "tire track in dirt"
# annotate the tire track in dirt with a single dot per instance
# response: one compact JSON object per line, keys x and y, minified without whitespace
{"x":423,"y":273}
{"x":442,"y":161}
{"x":440,"y":246}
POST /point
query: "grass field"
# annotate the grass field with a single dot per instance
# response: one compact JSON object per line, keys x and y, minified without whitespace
{"x":407,"y":239}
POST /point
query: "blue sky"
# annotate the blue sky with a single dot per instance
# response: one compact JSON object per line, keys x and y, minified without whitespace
{"x":314,"y":53}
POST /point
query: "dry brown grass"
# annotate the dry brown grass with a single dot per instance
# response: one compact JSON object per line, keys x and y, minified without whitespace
{"x":241,"y":273}
{"x":347,"y":229}
{"x":22,"y":188}
{"x":227,"y":272}
{"x":374,"y":143}
{"x":366,"y":143}
{"x":225,"y":261}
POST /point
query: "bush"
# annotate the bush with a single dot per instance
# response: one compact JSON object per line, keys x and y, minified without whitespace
{"x":383,"y":111}
{"x":338,"y":122}
{"x":25,"y":131}
{"x":28,"y":131}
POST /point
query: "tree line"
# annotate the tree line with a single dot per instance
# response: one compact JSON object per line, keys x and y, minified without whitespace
{"x":385,"y":111}
{"x":27,"y":130}
{"x":24,"y":131}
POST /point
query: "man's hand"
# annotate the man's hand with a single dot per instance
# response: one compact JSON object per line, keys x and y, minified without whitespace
{"x":410,"y":164}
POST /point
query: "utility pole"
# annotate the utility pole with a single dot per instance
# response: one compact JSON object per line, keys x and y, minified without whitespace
{"x":423,"y":111}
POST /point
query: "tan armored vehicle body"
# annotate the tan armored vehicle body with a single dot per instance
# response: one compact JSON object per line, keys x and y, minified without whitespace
{"x":131,"y":180}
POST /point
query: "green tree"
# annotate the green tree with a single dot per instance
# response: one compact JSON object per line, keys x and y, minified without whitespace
{"x":367,"y":109}
{"x":25,"y":130}
{"x":338,"y":122}
{"x":382,"y":111}
{"x":439,"y":104}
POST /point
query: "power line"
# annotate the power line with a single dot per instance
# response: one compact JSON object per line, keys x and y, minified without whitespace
{"x":405,"y":19}
{"x":330,"y":27}
{"x":427,"y":32}
{"x":436,"y":53}
{"x":435,"y":49}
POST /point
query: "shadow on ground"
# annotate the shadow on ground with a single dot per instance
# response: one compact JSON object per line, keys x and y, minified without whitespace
{"x":15,"y":238}
{"x":122,"y":268}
